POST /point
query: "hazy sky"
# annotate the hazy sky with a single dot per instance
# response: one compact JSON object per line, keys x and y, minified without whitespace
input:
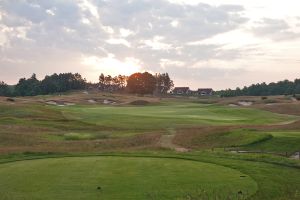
{"x":208,"y":43}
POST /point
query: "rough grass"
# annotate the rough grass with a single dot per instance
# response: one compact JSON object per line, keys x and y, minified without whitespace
{"x":32,"y":126}
{"x":57,"y":143}
{"x":78,"y":136}
{"x":283,"y":108}
{"x":242,"y":137}
{"x":218,"y":137}
{"x":280,"y":142}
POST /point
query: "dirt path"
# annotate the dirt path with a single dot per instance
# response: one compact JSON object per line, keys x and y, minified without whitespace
{"x":166,"y":142}
{"x":285,"y":123}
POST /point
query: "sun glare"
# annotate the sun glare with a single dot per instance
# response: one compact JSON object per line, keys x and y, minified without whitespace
{"x":113,"y":66}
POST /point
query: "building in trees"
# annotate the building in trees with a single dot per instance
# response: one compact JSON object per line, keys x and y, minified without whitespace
{"x":187,"y":91}
{"x":205,"y":91}
{"x":181,"y":91}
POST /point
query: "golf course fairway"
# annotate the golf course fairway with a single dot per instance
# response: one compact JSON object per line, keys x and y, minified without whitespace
{"x":113,"y":177}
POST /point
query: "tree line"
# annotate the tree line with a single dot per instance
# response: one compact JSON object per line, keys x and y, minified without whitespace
{"x":109,"y":84}
{"x":285,"y":87}
{"x":138,"y":83}
{"x":50,"y":84}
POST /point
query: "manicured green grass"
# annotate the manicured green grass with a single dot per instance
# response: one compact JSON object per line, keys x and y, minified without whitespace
{"x":166,"y":116}
{"x":120,"y":121}
{"x":277,"y":177}
{"x":120,"y":178}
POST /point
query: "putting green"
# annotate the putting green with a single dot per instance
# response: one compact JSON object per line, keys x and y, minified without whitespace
{"x":110,"y":177}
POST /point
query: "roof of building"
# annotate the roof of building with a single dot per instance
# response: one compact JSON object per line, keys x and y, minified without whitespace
{"x":207,"y":90}
{"x":181,"y":90}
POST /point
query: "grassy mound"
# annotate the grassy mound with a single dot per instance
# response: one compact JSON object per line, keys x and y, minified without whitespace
{"x":140,"y":103}
{"x":281,"y":142}
{"x":120,"y":178}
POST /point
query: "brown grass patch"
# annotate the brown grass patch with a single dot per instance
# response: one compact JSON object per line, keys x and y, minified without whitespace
{"x":199,"y":138}
{"x":138,"y":142}
{"x":283,"y":108}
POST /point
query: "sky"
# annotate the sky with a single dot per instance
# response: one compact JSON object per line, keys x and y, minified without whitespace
{"x":201,"y":43}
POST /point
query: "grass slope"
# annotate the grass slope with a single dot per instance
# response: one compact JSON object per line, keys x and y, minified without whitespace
{"x":275,"y":141}
{"x":280,"y":142}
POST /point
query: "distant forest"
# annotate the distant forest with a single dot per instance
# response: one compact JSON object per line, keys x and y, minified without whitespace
{"x":50,"y":84}
{"x":280,"y":88}
{"x":138,"y":83}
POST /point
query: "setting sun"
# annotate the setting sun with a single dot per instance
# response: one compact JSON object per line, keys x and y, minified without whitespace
{"x":112,"y":65}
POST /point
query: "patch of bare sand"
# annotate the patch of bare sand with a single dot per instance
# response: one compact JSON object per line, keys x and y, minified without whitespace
{"x":59,"y":103}
{"x":245,"y":103}
{"x":166,"y":141}
{"x":92,"y":101}
{"x":295,"y":156}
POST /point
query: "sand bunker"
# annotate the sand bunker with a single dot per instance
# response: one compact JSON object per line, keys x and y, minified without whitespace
{"x":294,"y":99}
{"x":108,"y":101}
{"x":92,"y":101}
{"x":51,"y":102}
{"x":245,"y":103}
{"x":59,"y":103}
{"x":296,"y":156}
{"x":69,"y":104}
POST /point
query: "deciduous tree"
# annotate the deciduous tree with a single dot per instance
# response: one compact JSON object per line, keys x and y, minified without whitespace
{"x":141,"y":83}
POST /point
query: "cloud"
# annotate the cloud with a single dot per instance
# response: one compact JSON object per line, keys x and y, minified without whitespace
{"x":78,"y":35}
{"x":156,"y":43}
{"x":275,"y":29}
{"x":84,"y":26}
{"x":118,"y":41}
{"x":208,"y":76}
